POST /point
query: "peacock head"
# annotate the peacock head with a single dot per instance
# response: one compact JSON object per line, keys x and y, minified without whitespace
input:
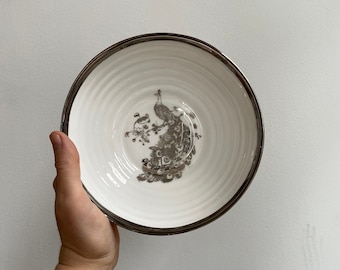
{"x":158,"y":93}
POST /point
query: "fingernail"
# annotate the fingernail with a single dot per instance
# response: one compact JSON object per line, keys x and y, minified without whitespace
{"x":55,"y":139}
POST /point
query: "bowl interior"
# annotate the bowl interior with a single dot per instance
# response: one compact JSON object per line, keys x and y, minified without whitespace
{"x":130,"y":110}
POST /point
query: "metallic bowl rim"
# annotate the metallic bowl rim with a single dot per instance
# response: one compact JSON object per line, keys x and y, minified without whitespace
{"x":230,"y":65}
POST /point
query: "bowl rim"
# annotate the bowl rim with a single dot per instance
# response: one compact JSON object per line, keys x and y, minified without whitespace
{"x":100,"y":57}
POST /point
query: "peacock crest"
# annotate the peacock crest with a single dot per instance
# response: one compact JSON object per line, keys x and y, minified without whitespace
{"x":175,"y":146}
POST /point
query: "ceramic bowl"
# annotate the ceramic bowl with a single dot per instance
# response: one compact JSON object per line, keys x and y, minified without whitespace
{"x":168,"y":130}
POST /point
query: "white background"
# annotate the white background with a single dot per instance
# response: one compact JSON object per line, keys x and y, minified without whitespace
{"x":289,"y":50}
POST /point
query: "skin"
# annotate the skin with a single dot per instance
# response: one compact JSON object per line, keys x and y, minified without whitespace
{"x":88,"y":239}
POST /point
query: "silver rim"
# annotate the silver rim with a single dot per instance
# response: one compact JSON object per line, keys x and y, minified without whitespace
{"x":216,"y":53}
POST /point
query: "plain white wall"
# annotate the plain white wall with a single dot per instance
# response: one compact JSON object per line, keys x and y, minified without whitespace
{"x":290,"y":51}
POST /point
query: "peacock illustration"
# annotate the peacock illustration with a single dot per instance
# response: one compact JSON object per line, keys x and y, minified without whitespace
{"x":175,"y":147}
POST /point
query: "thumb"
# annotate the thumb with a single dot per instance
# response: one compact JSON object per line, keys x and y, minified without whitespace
{"x":66,"y":158}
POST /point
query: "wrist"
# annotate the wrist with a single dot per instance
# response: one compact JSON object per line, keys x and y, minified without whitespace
{"x":71,"y":260}
{"x":84,"y":267}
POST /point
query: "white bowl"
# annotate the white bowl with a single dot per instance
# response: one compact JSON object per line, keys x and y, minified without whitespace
{"x":168,"y":130}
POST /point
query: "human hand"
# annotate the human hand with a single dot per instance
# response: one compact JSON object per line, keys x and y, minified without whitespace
{"x":88,"y":239}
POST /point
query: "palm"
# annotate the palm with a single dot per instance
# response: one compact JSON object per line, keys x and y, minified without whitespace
{"x":92,"y":236}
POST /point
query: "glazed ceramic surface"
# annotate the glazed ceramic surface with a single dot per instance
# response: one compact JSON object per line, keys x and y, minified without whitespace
{"x":168,"y":130}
